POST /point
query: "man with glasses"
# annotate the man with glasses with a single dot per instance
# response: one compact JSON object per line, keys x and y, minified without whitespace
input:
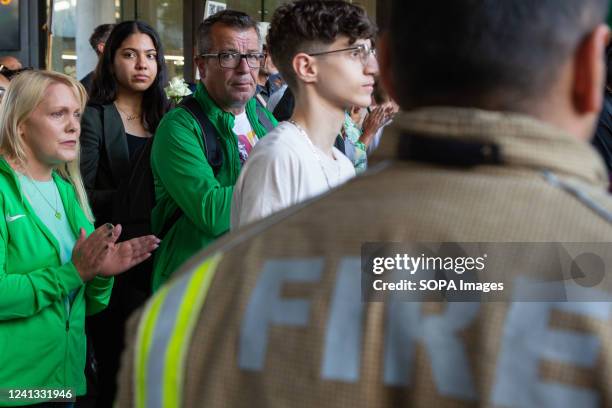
{"x":323,"y":49}
{"x":200,"y":147}
{"x":10,"y":63}
{"x":11,"y":66}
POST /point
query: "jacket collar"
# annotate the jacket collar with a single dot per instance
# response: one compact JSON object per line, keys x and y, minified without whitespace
{"x":523,"y":141}
{"x":4,"y":166}
{"x":224,"y":121}
{"x":9,"y":172}
{"x":63,"y":188}
{"x":207,"y":103}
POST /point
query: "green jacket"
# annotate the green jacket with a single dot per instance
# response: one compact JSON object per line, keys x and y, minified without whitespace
{"x":184,"y":178}
{"x":42,"y":343}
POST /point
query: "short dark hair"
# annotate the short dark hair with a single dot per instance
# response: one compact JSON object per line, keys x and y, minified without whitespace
{"x":231,"y":18}
{"x":485,"y":52}
{"x":303,"y":25}
{"x":100,"y":35}
{"x":104,"y":86}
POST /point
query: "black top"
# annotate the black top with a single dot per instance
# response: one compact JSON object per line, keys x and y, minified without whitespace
{"x":135,"y":145}
{"x":285,"y":107}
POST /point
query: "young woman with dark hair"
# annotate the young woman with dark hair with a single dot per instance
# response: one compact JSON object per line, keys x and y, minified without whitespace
{"x":127,"y":103}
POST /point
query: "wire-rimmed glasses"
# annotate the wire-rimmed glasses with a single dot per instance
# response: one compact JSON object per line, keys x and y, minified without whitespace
{"x":364,"y":50}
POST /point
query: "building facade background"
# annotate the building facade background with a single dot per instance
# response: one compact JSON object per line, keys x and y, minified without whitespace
{"x":55,"y":34}
{"x":21,"y":24}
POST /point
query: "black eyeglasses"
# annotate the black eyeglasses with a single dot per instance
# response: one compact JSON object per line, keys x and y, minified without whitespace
{"x":10,"y":73}
{"x":231,"y":60}
{"x":362,"y":50}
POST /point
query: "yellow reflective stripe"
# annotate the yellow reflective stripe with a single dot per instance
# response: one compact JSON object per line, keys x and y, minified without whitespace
{"x":143,"y":345}
{"x":188,"y":314}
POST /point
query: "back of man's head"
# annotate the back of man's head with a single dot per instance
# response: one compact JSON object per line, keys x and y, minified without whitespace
{"x":485,"y":53}
{"x":231,"y":18}
{"x":305,"y":25}
{"x":99,"y":36}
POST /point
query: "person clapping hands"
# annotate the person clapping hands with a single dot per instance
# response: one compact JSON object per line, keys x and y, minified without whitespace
{"x":54,"y":267}
{"x":99,"y":254}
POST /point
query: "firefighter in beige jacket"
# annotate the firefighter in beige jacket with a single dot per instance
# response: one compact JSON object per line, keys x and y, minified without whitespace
{"x":273,"y":316}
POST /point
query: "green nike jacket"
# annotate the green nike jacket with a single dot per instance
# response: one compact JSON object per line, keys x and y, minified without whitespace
{"x":42,"y":336}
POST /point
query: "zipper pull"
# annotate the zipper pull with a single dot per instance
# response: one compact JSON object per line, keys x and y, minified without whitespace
{"x":67,"y":325}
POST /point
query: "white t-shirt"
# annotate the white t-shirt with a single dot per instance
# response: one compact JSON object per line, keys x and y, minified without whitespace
{"x":283,"y":170}
{"x":245,"y":136}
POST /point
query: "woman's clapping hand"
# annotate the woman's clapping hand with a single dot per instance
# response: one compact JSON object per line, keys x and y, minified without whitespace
{"x":99,"y":254}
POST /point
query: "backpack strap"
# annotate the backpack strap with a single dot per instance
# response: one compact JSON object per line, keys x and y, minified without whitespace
{"x":261,"y":100}
{"x":170,"y":222}
{"x":262,"y":116}
{"x":212,"y":148}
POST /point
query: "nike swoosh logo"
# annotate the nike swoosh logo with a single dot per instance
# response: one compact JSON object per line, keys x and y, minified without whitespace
{"x":14,"y":217}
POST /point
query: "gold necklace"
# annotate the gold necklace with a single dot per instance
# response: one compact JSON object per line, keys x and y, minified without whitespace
{"x":55,"y":209}
{"x":128,"y":117}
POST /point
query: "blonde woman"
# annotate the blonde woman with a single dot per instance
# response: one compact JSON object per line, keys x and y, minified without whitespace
{"x":54,"y":268}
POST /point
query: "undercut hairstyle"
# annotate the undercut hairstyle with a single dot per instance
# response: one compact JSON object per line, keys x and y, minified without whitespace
{"x":231,"y":18}
{"x":307,"y":25}
{"x":100,"y":35}
{"x":104,"y":86}
{"x":495,"y":54}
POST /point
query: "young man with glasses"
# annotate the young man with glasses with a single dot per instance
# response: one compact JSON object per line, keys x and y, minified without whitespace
{"x":194,"y":195}
{"x":324,"y":51}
